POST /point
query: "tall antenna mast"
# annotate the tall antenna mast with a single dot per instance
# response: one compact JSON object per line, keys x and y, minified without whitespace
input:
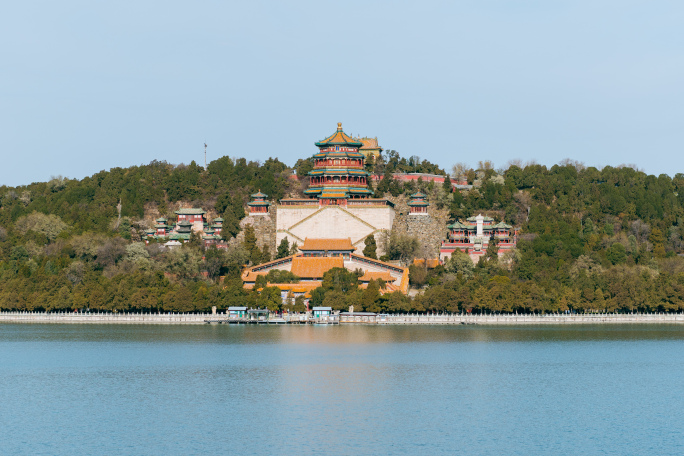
{"x":205,"y":156}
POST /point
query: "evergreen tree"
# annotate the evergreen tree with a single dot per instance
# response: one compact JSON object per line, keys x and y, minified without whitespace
{"x":447,"y":185}
{"x":370,"y":297}
{"x":492,"y":249}
{"x":250,"y":245}
{"x":385,"y":183}
{"x":283,"y":249}
{"x":370,"y":250}
{"x":294,"y":248}
{"x":265,"y":254}
{"x":370,"y":164}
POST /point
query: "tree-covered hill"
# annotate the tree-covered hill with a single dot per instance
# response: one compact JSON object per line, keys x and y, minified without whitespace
{"x":590,"y":240}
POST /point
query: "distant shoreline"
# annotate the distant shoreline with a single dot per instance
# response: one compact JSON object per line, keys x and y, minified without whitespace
{"x":390,"y":319}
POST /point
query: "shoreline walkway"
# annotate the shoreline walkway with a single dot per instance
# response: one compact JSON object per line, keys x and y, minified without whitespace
{"x":378,"y":319}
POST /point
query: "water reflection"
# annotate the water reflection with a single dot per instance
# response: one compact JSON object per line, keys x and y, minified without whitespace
{"x":331,"y":335}
{"x":88,"y":389}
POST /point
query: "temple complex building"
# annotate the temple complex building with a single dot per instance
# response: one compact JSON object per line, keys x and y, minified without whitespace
{"x":474,"y":235}
{"x":418,"y":205}
{"x":369,"y":147}
{"x":189,"y":220}
{"x":161,"y":227}
{"x":217,"y":226}
{"x":338,"y":173}
{"x":327,"y":248}
{"x":338,"y":202}
{"x":319,"y":256}
{"x":195,"y":216}
{"x":258,"y":205}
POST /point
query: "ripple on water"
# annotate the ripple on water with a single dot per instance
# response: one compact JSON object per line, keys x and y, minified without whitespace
{"x":100,"y":390}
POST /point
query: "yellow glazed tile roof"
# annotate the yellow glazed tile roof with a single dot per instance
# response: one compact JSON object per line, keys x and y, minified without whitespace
{"x":369,"y":143}
{"x":327,"y":244}
{"x":339,"y":138}
{"x":431,"y":262}
{"x":384,"y":275}
{"x":315,"y":267}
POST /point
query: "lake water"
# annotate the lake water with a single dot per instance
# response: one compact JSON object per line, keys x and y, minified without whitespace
{"x":344,"y":390}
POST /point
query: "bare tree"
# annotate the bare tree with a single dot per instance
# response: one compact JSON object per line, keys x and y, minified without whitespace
{"x":514,"y":162}
{"x":578,"y":165}
{"x":459,"y":170}
{"x":49,"y":225}
{"x":484,"y":165}
{"x":25,"y":197}
{"x":640,"y":229}
{"x":630,"y":165}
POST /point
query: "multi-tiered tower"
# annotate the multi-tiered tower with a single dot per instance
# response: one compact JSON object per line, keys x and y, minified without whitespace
{"x":338,"y":173}
{"x":338,"y":203}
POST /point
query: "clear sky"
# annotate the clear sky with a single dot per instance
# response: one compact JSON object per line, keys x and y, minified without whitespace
{"x":87,"y":86}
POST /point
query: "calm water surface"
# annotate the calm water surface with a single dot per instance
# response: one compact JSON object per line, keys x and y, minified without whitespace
{"x":181,"y":390}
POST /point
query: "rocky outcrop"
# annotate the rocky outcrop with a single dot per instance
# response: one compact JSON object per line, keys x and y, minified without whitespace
{"x":264,"y":228}
{"x":430,"y":230}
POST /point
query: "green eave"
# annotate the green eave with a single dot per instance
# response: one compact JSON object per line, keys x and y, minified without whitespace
{"x":337,"y":188}
{"x":418,"y":203}
{"x":340,"y":154}
{"x":193,"y":211}
{"x":259,"y":203}
{"x":325,"y":143}
{"x":338,"y":171}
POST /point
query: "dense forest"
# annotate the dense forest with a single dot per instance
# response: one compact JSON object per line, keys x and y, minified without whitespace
{"x":591,"y":241}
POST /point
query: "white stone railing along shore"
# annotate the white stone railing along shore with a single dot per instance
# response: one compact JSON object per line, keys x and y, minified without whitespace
{"x":379,"y":319}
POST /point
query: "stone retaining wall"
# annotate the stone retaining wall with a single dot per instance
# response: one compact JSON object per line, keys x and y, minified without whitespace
{"x":264,"y":229}
{"x":398,"y":319}
{"x":430,"y":230}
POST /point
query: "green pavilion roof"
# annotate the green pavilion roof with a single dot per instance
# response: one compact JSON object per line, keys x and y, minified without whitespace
{"x":190,"y":211}
{"x":457,"y":225}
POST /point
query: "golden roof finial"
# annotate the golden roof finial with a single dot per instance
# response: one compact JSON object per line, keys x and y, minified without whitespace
{"x":339,"y":126}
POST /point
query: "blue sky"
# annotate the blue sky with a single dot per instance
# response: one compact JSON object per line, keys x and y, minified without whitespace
{"x":87,"y":86}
